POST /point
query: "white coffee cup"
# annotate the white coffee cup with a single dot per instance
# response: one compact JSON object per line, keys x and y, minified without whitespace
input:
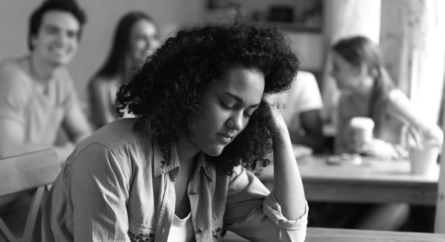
{"x":362,"y":128}
{"x":423,"y":160}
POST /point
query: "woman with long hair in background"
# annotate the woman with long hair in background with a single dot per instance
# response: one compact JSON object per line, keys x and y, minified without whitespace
{"x":136,"y":38}
{"x":368,"y":91}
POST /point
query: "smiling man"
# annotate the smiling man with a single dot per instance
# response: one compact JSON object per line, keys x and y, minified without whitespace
{"x":37,"y":97}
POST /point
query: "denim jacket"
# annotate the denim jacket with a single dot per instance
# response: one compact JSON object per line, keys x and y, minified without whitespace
{"x":114,"y":187}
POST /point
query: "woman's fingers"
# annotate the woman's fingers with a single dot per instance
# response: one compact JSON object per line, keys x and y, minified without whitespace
{"x":274,"y":107}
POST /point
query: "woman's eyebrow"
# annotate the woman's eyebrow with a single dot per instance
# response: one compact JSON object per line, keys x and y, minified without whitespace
{"x":240,"y":100}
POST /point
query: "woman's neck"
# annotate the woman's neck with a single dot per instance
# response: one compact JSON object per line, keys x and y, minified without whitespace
{"x":186,"y":149}
{"x":363,"y":92}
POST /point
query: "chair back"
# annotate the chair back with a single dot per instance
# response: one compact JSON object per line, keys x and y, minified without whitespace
{"x":23,"y":172}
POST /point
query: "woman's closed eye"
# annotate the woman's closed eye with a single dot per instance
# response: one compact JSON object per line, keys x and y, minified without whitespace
{"x":249,"y":113}
{"x":232,"y":106}
{"x":227,"y":105}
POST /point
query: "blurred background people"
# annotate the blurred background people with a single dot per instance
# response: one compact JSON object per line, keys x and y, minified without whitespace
{"x":367,"y":91}
{"x":136,"y":38}
{"x":302,"y":114}
{"x":36,"y":91}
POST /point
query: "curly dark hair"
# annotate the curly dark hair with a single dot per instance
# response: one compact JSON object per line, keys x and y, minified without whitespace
{"x":166,"y":92}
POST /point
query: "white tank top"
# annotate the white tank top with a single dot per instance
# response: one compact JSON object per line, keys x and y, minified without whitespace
{"x":181,"y":230}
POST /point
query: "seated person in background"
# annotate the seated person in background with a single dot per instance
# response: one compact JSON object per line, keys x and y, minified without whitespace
{"x":37,"y":95}
{"x":135,"y":39}
{"x":177,"y":172}
{"x":367,"y":91}
{"x":302,"y":112}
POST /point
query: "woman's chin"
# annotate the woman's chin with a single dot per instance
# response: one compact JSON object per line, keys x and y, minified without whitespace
{"x":214,"y":151}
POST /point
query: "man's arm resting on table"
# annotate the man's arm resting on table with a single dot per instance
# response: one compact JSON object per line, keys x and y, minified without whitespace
{"x":12,"y":142}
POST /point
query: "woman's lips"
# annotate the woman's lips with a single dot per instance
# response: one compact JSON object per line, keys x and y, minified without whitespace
{"x":226,"y":137}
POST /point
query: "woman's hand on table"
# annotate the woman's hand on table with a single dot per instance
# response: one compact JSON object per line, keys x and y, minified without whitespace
{"x":375,"y":147}
{"x":379,"y":148}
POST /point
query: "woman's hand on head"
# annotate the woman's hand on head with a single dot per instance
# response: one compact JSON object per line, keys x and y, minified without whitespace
{"x":274,"y":108}
{"x":288,"y":187}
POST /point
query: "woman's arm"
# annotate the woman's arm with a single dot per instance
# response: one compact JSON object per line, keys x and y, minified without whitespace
{"x":98,"y":189}
{"x":255,"y":213}
{"x":288,"y":187}
{"x":101,"y":105}
{"x":401,"y":108}
{"x":400,"y":105}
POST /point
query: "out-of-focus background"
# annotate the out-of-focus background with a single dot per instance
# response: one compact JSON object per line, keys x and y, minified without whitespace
{"x":397,"y":25}
{"x":102,"y":17}
{"x":311,"y":25}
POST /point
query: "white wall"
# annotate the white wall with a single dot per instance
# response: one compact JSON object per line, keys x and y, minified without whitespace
{"x":309,"y":49}
{"x":97,"y":36}
{"x":14,"y":15}
{"x":341,"y":19}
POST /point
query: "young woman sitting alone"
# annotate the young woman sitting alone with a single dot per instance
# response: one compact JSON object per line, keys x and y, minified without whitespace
{"x":178,"y":171}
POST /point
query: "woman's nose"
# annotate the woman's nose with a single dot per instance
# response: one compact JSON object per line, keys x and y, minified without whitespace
{"x":236,"y":122}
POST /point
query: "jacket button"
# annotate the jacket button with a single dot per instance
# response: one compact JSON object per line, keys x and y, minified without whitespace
{"x":200,"y":230}
{"x":193,"y":192}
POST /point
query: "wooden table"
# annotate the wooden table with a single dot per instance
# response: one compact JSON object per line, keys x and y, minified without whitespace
{"x":374,"y":181}
{"x":349,"y":235}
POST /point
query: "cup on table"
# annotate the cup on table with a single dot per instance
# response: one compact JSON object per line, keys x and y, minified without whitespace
{"x":362,"y":129}
{"x":423,"y":160}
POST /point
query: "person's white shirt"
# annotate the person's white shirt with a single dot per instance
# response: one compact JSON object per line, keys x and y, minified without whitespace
{"x":181,"y":230}
{"x":303,"y":96}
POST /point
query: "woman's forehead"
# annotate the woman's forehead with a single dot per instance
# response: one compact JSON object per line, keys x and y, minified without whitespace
{"x":247,"y":83}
